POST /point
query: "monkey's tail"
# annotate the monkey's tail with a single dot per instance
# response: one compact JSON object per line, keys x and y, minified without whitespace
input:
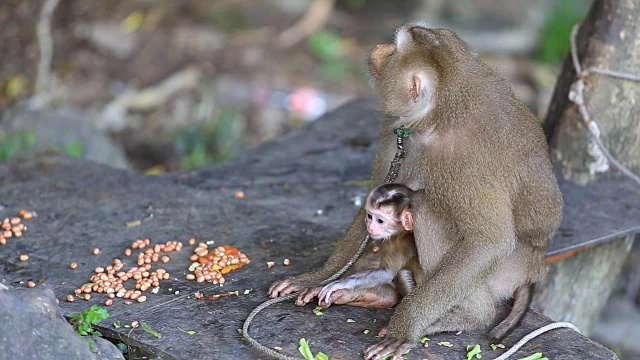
{"x":522,"y":298}
{"x":266,"y":304}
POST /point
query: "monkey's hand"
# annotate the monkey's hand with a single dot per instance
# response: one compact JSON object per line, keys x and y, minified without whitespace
{"x":390,"y":346}
{"x":324,"y":298}
{"x":307,"y":296}
{"x":284,"y":287}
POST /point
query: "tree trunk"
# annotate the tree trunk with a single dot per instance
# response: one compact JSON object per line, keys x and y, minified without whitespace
{"x":609,"y":38}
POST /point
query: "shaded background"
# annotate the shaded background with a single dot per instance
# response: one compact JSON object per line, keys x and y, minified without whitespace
{"x":158,"y":86}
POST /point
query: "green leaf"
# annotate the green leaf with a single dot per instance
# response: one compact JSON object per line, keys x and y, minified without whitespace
{"x":191,"y":332}
{"x":366,"y":332}
{"x":116,"y":324}
{"x":321,"y":356}
{"x":473,"y":351}
{"x":424,"y":340}
{"x":305,"y":350}
{"x":535,"y":356}
{"x":148,"y":329}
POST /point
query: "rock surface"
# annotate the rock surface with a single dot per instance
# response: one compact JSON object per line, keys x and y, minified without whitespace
{"x":58,"y":129}
{"x":319,"y":166}
{"x":31,"y":327}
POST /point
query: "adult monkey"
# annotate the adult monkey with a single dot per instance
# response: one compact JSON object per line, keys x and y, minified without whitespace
{"x":492,"y":201}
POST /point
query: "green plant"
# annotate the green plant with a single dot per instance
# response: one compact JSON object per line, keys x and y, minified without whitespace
{"x":84,"y":321}
{"x":327,"y":47}
{"x":209,"y":143}
{"x":13,"y":144}
{"x":75,"y":149}
{"x":227,"y":20}
{"x":557,"y":30}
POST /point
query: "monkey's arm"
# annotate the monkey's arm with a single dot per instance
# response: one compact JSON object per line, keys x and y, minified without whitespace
{"x":348,"y":245}
{"x":345,"y":249}
{"x":367,"y":279}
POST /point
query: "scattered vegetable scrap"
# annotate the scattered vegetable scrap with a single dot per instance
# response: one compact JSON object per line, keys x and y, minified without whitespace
{"x":24,"y":257}
{"x":496,"y":346}
{"x":270,"y":264}
{"x":424,"y":342}
{"x":286,"y":262}
{"x":318,"y":310}
{"x":474,"y":351}
{"x":239,"y":195}
{"x":278,"y":348}
{"x":366,"y":332}
{"x":305,"y":350}
{"x":200,"y":296}
{"x":148,"y":329}
{"x":13,"y":226}
{"x":188,"y":332}
{"x":536,"y":356}
{"x":211,"y":265}
{"x":350,"y":321}
{"x":133,"y":223}
{"x":445,"y":343}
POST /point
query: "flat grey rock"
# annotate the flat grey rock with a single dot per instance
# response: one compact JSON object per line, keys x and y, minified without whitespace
{"x":319,"y":166}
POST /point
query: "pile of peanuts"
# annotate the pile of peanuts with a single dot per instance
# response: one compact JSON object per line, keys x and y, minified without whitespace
{"x":111,"y":280}
{"x":13,"y":227}
{"x":211,"y":265}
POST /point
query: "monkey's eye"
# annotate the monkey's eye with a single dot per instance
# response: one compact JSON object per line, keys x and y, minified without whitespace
{"x":380,"y":221}
{"x":369,"y":216}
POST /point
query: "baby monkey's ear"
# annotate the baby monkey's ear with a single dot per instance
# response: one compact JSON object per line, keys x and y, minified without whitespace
{"x":407,"y":220}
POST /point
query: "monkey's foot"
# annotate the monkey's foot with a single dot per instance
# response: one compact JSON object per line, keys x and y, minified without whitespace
{"x":383,"y":332}
{"x":283,"y":287}
{"x":376,"y":298}
{"x":388,"y":347}
{"x":307,"y":296}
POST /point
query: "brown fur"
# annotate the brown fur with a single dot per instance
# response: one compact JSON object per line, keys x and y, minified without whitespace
{"x":492,"y":201}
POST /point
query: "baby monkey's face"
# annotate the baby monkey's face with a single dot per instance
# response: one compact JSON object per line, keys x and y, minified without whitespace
{"x":382,"y":223}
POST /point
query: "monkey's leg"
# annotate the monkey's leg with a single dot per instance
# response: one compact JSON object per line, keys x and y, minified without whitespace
{"x":475,"y":312}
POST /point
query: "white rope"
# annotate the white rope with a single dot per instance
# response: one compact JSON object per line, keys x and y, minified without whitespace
{"x":596,"y":148}
{"x":557,"y":325}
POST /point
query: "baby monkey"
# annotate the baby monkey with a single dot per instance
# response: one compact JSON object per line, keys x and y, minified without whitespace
{"x":388,"y":219}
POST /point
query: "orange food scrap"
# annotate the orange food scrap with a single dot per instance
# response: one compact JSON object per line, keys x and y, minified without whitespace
{"x":230,"y":250}
{"x":229,"y":268}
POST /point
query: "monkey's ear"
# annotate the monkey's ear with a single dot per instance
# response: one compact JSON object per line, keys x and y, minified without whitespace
{"x":407,"y":220}
{"x":418,"y":86}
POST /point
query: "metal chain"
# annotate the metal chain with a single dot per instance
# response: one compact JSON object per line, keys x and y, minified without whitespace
{"x":400,"y":133}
